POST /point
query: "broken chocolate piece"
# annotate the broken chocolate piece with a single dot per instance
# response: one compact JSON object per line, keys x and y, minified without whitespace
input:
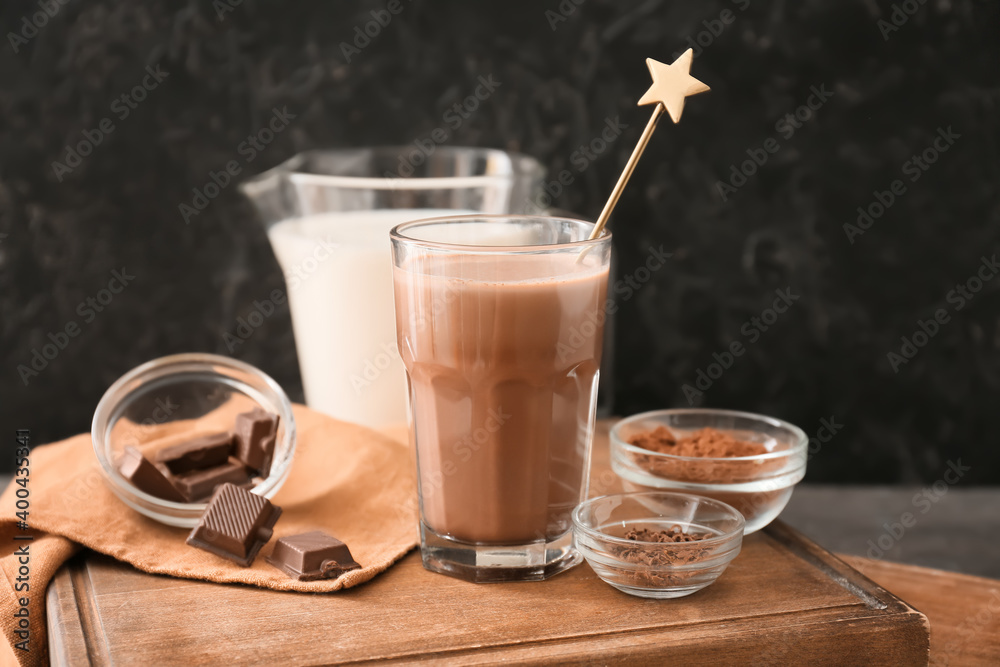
{"x":235,"y":525}
{"x":254,"y":435}
{"x":311,"y":556}
{"x":199,"y":484}
{"x":145,"y":476}
{"x":204,"y":452}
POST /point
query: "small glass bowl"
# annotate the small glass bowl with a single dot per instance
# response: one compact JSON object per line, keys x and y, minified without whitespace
{"x":758,"y":486}
{"x":165,"y":398}
{"x":658,"y":570}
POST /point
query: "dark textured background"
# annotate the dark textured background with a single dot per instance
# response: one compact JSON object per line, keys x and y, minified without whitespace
{"x":783,"y":228}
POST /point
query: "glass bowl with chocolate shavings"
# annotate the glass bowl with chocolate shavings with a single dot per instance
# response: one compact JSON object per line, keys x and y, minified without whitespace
{"x":657,"y":544}
{"x":751,"y":462}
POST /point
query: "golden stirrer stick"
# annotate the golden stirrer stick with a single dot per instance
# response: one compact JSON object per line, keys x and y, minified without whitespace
{"x":671,"y":85}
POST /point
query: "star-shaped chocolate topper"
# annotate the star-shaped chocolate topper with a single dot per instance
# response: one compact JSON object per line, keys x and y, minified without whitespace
{"x":671,"y":84}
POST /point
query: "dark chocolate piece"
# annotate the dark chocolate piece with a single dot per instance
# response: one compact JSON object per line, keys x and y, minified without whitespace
{"x":204,"y":452}
{"x":311,"y":556}
{"x":254,"y":435}
{"x":235,"y":525}
{"x":145,"y":476}
{"x":199,"y":484}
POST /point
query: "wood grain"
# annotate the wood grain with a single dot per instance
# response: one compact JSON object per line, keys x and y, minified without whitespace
{"x":783,"y":600}
{"x":964,"y":611}
{"x":75,"y":629}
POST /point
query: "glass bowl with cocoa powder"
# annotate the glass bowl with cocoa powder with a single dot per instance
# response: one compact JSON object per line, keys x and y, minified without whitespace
{"x":657,"y":544}
{"x":748,"y":461}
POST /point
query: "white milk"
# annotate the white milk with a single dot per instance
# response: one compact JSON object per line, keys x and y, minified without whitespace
{"x":338,"y":267}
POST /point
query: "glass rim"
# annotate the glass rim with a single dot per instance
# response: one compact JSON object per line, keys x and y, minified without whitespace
{"x":801,"y":439}
{"x":398,"y":234}
{"x":293,"y":168}
{"x":589,"y":528}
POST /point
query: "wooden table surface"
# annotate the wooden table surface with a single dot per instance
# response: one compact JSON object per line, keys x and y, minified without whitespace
{"x":102,"y":611}
{"x":964,"y":611}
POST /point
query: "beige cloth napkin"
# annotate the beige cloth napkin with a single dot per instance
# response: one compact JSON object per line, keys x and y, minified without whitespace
{"x":345,"y":479}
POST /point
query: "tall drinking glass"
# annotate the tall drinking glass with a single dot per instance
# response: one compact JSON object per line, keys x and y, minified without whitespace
{"x":499,"y":321}
{"x":328,"y":214}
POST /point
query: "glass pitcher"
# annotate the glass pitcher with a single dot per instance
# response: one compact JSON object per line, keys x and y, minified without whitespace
{"x":328,"y":214}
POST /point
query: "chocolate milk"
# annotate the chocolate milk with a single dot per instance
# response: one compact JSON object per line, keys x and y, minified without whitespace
{"x":502,"y":355}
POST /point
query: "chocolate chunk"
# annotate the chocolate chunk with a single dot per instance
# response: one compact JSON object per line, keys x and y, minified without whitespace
{"x":204,"y":452}
{"x":145,"y":476}
{"x":235,"y":525}
{"x":199,"y":484}
{"x":311,"y":556}
{"x":255,"y":436}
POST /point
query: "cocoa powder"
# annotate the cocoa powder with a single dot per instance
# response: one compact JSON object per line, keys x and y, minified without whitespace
{"x":707,"y":443}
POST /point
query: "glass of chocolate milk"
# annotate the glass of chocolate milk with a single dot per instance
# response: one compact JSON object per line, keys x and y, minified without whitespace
{"x":499,"y":321}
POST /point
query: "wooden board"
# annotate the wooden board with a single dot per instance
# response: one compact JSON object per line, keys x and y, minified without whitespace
{"x":784,"y":600}
{"x":964,"y":611}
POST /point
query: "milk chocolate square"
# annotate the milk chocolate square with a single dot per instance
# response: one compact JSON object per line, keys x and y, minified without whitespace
{"x":145,"y":476}
{"x":199,"y":484}
{"x":311,"y":556}
{"x":255,"y":437}
{"x":204,"y":452}
{"x":235,"y":525}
